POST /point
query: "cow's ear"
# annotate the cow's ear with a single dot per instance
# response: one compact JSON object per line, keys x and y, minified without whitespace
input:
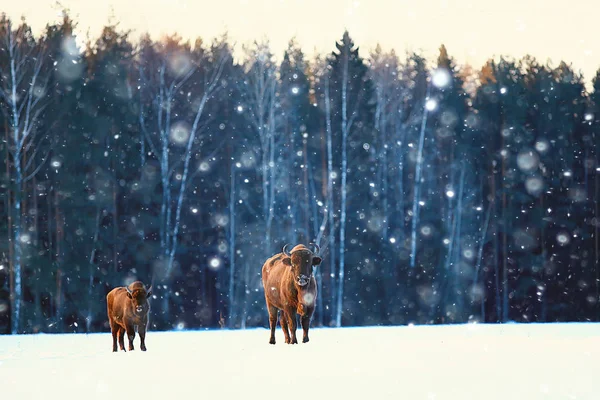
{"x":287,"y":261}
{"x":317,"y":261}
{"x":149,"y":292}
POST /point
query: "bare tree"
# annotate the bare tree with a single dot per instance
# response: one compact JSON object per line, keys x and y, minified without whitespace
{"x":482,"y":242}
{"x":163,"y":87}
{"x":323,"y":71}
{"x":384,"y":74}
{"x":348,"y":118}
{"x":92,"y":259}
{"x":162,"y":75}
{"x":232,"y":196}
{"x":23,"y":99}
{"x":418,"y":182}
{"x":260,"y":101}
{"x":259,"y":91}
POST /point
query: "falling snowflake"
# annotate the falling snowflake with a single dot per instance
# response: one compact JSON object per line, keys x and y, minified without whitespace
{"x":441,"y":77}
{"x":563,"y":238}
{"x":431,"y":105}
{"x":214,"y":263}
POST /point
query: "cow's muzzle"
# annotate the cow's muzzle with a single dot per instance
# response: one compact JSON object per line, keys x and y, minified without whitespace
{"x":302,"y":280}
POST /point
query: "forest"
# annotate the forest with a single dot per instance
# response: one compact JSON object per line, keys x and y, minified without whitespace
{"x":438,"y":193}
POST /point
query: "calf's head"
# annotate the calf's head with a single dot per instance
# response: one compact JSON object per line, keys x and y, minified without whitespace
{"x":139,"y":298}
{"x":301,"y":260}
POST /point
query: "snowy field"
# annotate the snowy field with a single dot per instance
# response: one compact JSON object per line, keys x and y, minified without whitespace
{"x":508,"y":362}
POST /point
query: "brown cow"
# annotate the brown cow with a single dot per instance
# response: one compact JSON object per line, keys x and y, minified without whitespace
{"x":290,"y":286}
{"x":128,"y":307}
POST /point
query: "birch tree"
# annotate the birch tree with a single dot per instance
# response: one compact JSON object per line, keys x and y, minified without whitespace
{"x":323,"y":86}
{"x":352,"y":89}
{"x":298,"y":133}
{"x":162,"y":75}
{"x":232,"y":237}
{"x":163,"y":85}
{"x":384,"y":74}
{"x":23,"y":100}
{"x":259,"y":89}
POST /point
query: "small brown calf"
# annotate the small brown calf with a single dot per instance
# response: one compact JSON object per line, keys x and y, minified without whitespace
{"x":128,"y":307}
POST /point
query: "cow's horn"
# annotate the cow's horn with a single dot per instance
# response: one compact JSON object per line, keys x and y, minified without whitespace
{"x":317,"y":249}
{"x":128,"y":291}
{"x":285,"y":251}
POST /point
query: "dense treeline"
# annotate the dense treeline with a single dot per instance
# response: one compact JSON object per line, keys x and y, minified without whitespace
{"x":437,"y":194}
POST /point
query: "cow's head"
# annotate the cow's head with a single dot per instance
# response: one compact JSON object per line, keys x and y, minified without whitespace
{"x":302,"y":260}
{"x":139,"y":298}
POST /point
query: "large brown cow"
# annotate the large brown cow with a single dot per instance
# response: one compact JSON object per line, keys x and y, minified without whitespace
{"x":128,"y":307}
{"x":290,"y":286}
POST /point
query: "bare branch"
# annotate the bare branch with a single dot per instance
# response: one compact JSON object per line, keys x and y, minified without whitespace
{"x":32,"y":157}
{"x":38,"y":167}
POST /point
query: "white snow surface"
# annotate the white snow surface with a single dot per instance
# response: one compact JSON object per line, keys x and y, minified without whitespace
{"x":475,"y":361}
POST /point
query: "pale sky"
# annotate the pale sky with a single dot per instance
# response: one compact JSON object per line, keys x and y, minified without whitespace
{"x":473,"y":31}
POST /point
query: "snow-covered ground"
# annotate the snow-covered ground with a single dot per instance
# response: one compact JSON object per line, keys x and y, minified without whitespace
{"x":508,"y":362}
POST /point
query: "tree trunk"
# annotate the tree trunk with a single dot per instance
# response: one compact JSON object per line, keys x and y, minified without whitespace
{"x":340,"y":294}
{"x":496,"y":244}
{"x":59,"y":274}
{"x":597,"y":234}
{"x":271,"y":197}
{"x":293,"y":209}
{"x":232,"y":314}
{"x":307,"y":189}
{"x":458,"y":293}
{"x":17,"y":244}
{"x":115,"y":219}
{"x":400,"y":181}
{"x":417,"y":189}
{"x":11,"y":242}
{"x":51,"y":233}
{"x":91,"y":299}
{"x":383,"y":161}
{"x":505,"y":302}
{"x":480,"y":258}
{"x":37,"y":272}
{"x":330,"y":203}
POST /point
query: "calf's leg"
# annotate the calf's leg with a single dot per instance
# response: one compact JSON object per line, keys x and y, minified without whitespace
{"x":283,"y":321}
{"x":272,"y":321}
{"x":130,"y":335}
{"x":142,"y":331}
{"x":114,"y":329}
{"x":122,"y":338}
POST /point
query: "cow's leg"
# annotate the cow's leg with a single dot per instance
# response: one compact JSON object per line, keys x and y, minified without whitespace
{"x":130,"y":335}
{"x":283,"y":321}
{"x":122,"y":338}
{"x":272,"y":321}
{"x":142,"y":331}
{"x":305,"y":325}
{"x":114,"y":329}
{"x":293,"y":325}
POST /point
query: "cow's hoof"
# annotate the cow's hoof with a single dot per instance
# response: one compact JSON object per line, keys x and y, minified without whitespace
{"x":272,"y":341}
{"x":124,"y":350}
{"x":143,"y":348}
{"x":305,"y":340}
{"x":294,"y":341}
{"x":131,"y":348}
{"x":115,"y":350}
